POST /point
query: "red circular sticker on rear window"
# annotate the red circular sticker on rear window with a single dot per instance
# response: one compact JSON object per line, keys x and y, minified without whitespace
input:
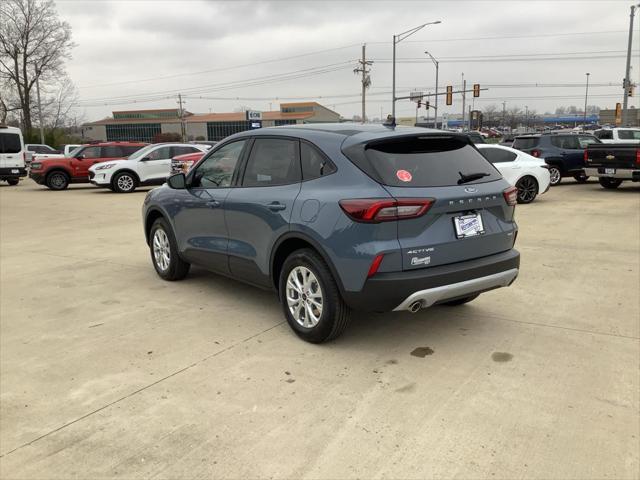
{"x":404,"y":176}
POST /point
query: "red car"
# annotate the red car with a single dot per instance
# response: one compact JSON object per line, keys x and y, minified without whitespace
{"x":58,"y":173}
{"x":183,"y":163}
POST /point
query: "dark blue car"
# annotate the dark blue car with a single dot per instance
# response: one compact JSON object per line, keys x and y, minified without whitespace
{"x":338,"y":217}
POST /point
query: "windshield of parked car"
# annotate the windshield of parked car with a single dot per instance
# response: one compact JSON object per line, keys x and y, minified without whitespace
{"x":629,"y":134}
{"x":143,"y":152}
{"x":74,"y":152}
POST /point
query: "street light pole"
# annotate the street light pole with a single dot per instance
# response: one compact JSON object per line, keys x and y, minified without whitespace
{"x":627,"y":80}
{"x":397,"y":39}
{"x":586,"y":95}
{"x":435,"y":107}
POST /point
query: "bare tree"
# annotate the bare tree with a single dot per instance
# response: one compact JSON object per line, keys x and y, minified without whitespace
{"x":489,"y":113}
{"x":58,"y":102}
{"x":34,"y":43}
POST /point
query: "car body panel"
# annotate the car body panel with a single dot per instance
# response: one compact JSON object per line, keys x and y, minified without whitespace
{"x":242,"y":226}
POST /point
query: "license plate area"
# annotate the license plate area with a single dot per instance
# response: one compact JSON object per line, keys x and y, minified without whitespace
{"x":15,"y":170}
{"x":468,"y":225}
{"x":610,"y":171}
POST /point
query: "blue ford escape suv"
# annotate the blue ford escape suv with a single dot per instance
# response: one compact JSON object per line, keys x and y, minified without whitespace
{"x":336,"y":217}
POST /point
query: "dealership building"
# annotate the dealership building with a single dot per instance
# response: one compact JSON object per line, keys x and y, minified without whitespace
{"x":144,"y":125}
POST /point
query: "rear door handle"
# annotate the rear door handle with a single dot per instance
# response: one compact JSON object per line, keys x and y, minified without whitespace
{"x":213,"y":203}
{"x":276,"y":206}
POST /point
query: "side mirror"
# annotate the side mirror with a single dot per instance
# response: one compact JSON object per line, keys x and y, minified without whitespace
{"x":177,"y":181}
{"x":145,"y":159}
{"x":80,"y":157}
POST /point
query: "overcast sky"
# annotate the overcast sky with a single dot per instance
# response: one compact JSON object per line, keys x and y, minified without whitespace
{"x":223,"y":55}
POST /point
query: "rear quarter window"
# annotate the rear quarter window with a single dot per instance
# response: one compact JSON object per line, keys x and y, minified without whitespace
{"x":424,"y":162}
{"x":525,"y":142}
{"x":10,"y":143}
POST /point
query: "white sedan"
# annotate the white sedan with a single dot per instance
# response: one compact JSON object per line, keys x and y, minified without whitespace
{"x":530,"y":175}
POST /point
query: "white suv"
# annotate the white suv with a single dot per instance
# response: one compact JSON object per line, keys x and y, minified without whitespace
{"x":12,"y":155}
{"x":150,"y":165}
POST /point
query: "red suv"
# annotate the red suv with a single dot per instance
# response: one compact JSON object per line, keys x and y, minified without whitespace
{"x":58,"y":173}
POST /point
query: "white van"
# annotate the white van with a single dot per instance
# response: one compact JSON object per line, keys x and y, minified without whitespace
{"x":12,"y":155}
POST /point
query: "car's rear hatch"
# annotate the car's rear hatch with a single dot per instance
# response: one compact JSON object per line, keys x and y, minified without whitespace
{"x":446,"y":168}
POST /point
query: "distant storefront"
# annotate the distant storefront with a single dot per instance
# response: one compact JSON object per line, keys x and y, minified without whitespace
{"x":144,"y":125}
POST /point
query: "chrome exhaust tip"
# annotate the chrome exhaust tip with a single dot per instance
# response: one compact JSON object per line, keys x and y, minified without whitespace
{"x":415,"y":306}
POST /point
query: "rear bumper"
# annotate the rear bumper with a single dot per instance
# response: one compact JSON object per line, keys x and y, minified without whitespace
{"x":396,"y":291}
{"x":621,"y":173}
{"x":13,"y":172}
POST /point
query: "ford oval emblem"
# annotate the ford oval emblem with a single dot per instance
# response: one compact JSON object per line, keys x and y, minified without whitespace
{"x":470,"y":189}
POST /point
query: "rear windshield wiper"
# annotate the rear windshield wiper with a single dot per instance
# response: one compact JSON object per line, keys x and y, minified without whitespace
{"x":470,"y":177}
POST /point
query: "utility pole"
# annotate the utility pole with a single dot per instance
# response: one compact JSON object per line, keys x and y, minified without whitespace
{"x":464,"y":97}
{"x":526,"y":119}
{"x":181,"y":112}
{"x":586,"y":95}
{"x":504,"y":114}
{"x":366,"y":79}
{"x":627,"y":80}
{"x":39,"y":107}
{"x":429,"y":95}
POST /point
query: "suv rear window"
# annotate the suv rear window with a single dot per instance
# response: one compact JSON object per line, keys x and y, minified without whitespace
{"x":525,"y":142}
{"x":423,"y":162}
{"x":10,"y":143}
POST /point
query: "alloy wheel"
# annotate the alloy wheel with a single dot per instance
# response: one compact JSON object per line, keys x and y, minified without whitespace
{"x":527,"y":189}
{"x":554,"y":174}
{"x":161,"y":249}
{"x":57,"y":180}
{"x":304,"y":297}
{"x":125,"y":183}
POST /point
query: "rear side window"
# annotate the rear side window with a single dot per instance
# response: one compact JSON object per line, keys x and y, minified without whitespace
{"x":525,"y":142}
{"x":569,"y":142}
{"x":425,"y":162}
{"x":586,"y":140}
{"x":175,"y":151}
{"x":497,"y":155}
{"x":273,"y":161}
{"x":10,"y":143}
{"x":629,"y":134}
{"x":314,"y":163}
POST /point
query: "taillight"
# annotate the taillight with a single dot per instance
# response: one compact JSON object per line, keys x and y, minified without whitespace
{"x":375,"y":265}
{"x":511,"y":196}
{"x":637,"y":156}
{"x":376,"y":210}
{"x":536,"y":153}
{"x":586,"y":156}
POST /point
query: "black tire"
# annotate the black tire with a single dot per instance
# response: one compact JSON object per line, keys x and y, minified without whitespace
{"x":177,"y":268}
{"x":555,"y":175}
{"x":461,"y":301}
{"x":608,"y":182}
{"x":581,"y":178}
{"x":57,"y":180}
{"x":124,"y":182}
{"x":13,"y":181}
{"x":335,"y":315}
{"x":527,"y":189}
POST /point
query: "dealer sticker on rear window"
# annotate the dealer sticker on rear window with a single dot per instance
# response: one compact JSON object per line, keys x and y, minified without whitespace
{"x":404,"y":176}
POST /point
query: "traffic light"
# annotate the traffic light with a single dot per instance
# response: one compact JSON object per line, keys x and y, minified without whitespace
{"x":419,"y":103}
{"x":426,"y":104}
{"x":476,"y":89}
{"x":631,"y":89}
{"x":449,"y":95}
